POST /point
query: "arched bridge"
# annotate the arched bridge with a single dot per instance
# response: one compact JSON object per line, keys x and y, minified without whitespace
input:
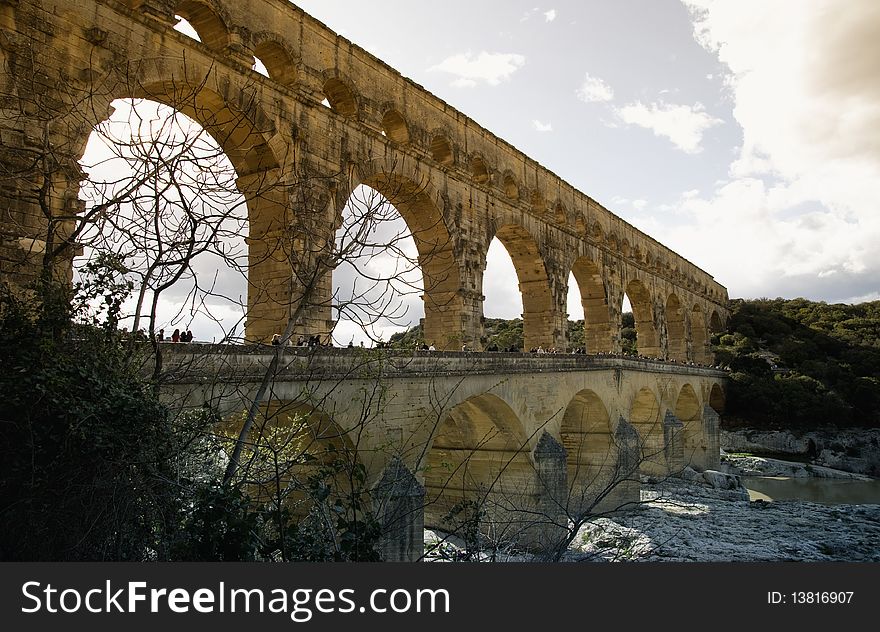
{"x":525,"y":434}
{"x":456,"y":184}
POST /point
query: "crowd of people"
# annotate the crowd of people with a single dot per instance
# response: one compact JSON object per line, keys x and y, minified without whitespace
{"x":325,"y":342}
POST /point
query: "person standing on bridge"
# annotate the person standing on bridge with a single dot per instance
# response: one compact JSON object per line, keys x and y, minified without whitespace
{"x":175,"y":337}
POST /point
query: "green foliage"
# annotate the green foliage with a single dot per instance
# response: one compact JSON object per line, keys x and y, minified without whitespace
{"x":95,"y":467}
{"x":86,"y":447}
{"x":800,"y":364}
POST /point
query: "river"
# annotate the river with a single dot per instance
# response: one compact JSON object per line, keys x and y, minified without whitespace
{"x":818,"y":490}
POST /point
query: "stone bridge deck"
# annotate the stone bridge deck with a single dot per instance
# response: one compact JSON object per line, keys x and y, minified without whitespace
{"x":526,"y":434}
{"x":185,"y":363}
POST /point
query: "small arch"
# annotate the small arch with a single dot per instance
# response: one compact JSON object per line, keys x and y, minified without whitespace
{"x":676,"y":341}
{"x":479,"y":170}
{"x":539,"y":205}
{"x":612,"y":242}
{"x":560,"y":214}
{"x":340,"y":97}
{"x":717,"y":398}
{"x":441,"y":150}
{"x":715,"y":324}
{"x":277,"y":61}
{"x":510,"y":187}
{"x":212,"y":31}
{"x":395,"y":127}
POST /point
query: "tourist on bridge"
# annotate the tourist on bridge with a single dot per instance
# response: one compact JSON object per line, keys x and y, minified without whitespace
{"x":175,"y":337}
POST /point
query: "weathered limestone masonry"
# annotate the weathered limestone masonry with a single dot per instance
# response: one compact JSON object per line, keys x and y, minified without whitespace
{"x":529,"y":435}
{"x":456,"y":184}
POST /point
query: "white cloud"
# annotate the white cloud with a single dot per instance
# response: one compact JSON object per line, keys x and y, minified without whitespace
{"x":799,"y":215}
{"x":594,"y":90}
{"x":684,"y":125}
{"x":639,"y":204}
{"x":550,"y":15}
{"x":471,"y":69}
{"x":542,"y":127}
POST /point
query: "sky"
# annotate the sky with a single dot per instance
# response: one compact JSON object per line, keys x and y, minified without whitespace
{"x":743,"y":134}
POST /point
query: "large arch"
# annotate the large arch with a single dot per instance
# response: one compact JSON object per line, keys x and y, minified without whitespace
{"x":598,"y":334}
{"x":478,"y":462}
{"x":676,"y":341}
{"x":591,"y":454}
{"x":699,"y":336}
{"x":247,"y":136}
{"x":244,"y":134}
{"x":689,"y":411}
{"x":534,"y":285}
{"x":436,"y":257}
{"x":647,"y":340}
{"x":645,"y":417}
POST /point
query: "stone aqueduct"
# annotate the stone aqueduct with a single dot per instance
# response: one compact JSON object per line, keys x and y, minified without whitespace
{"x":456,"y":185}
{"x":560,"y":425}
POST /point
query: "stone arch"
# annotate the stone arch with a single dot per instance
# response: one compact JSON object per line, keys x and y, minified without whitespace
{"x":479,"y":170}
{"x":699,"y":335}
{"x":539,"y":204}
{"x":479,"y":458}
{"x":560,"y":214}
{"x":413,"y":198}
{"x":509,"y":186}
{"x":395,"y":127}
{"x":591,"y":453}
{"x":340,"y":96}
{"x":717,"y":398}
{"x":598,"y":332}
{"x":676,"y":341}
{"x":534,"y":284}
{"x":645,"y":418}
{"x":276,"y":58}
{"x":716,"y":325}
{"x":247,"y":137}
{"x":207,"y":22}
{"x":689,"y":412}
{"x":310,"y":442}
{"x":441,"y":149}
{"x":647,"y":341}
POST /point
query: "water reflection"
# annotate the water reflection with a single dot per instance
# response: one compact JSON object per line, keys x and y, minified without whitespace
{"x":817,"y":490}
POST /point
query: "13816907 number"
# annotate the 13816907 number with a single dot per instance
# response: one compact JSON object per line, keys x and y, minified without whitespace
{"x":817,"y":597}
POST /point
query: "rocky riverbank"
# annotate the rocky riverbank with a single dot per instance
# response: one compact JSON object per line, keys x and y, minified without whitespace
{"x":710,"y":519}
{"x":854,"y":450}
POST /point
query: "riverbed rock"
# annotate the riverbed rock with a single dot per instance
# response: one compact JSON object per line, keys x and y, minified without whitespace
{"x":692,"y":522}
{"x":854,"y":450}
{"x":720,"y":480}
{"x":691,"y":475}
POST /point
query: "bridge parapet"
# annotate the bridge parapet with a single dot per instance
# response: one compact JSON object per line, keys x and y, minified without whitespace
{"x":188,"y":362}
